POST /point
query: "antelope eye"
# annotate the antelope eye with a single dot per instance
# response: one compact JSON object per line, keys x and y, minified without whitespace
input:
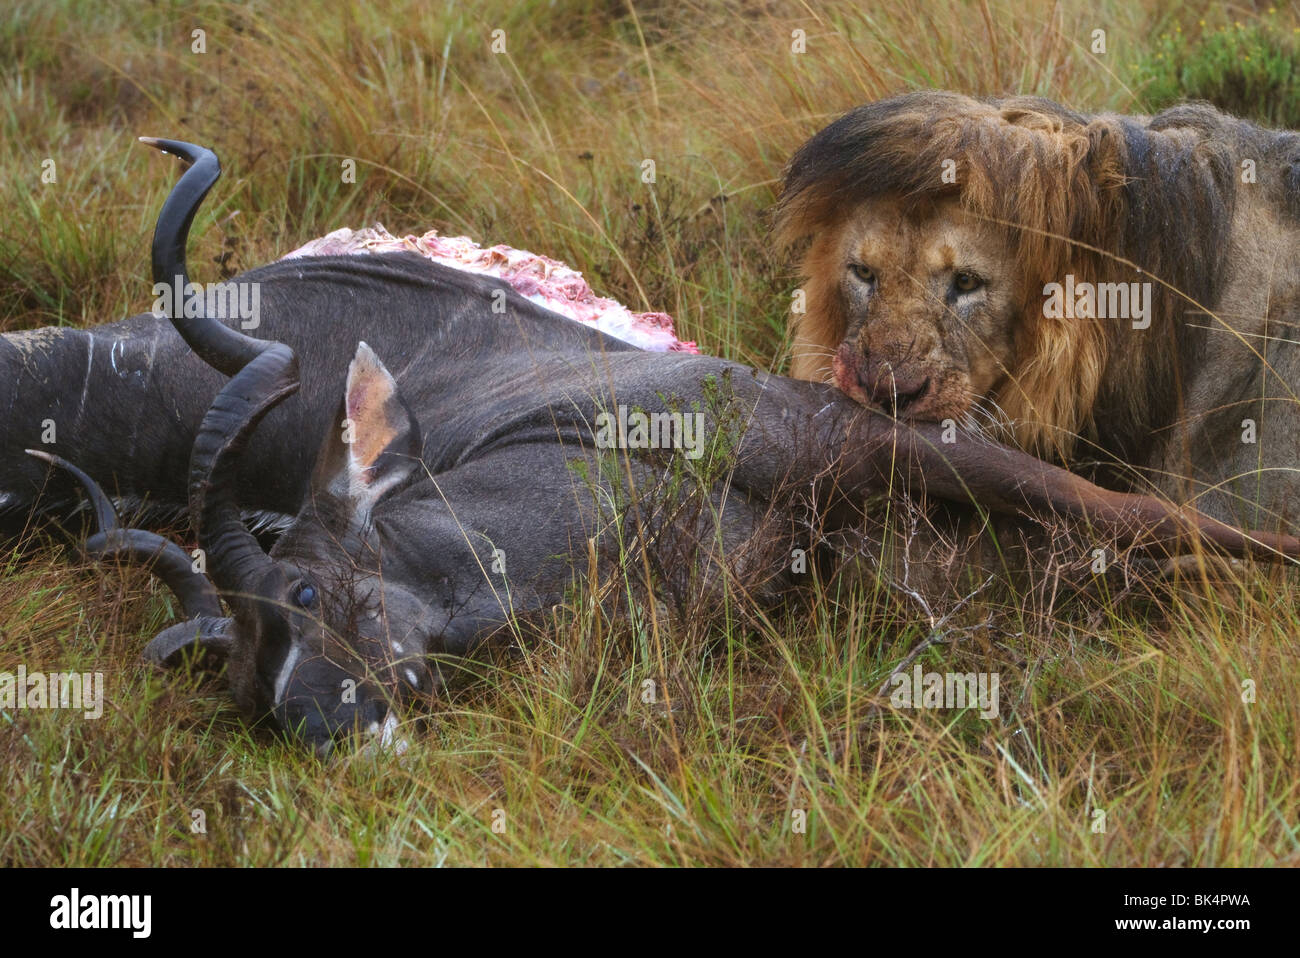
{"x":305,"y":596}
{"x":862,"y":274}
{"x":965,"y":282}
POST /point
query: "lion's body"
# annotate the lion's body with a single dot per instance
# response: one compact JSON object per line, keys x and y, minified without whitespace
{"x":940,"y":222}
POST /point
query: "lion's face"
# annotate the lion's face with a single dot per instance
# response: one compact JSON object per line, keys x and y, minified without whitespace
{"x":929,"y":299}
{"x":937,"y":307}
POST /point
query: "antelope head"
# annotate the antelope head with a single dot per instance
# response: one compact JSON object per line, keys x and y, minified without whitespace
{"x":323,"y":637}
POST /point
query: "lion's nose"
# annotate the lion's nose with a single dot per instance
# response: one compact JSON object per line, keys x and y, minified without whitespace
{"x":892,"y":388}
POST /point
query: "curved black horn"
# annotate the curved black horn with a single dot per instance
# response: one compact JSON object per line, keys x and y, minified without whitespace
{"x":222,"y":348}
{"x":161,"y":556}
{"x":263,"y":372}
{"x":235,"y":559}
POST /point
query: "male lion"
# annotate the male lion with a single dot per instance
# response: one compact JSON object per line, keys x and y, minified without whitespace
{"x":1118,"y":293}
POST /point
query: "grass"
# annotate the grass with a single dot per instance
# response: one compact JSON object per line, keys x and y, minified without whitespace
{"x":763,"y":741}
{"x":1245,"y":68}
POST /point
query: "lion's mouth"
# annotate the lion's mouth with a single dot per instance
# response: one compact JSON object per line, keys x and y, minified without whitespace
{"x":891,"y":391}
{"x":897,"y":403}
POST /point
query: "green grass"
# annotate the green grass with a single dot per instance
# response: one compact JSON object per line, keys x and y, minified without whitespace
{"x":1127,"y":704}
{"x":1251,"y":68}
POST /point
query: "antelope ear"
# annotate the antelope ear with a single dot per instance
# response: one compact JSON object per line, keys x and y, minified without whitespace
{"x":374,"y":442}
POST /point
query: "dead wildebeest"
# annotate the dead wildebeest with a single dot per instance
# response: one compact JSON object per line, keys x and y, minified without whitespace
{"x":462,"y":488}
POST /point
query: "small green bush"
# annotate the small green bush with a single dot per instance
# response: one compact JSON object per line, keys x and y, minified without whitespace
{"x":1247,"y":69}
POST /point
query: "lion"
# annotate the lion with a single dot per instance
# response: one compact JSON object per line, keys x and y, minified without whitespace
{"x":1120,"y":294}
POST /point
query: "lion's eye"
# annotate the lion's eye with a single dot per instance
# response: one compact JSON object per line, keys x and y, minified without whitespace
{"x":965,"y":282}
{"x":862,"y":273}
